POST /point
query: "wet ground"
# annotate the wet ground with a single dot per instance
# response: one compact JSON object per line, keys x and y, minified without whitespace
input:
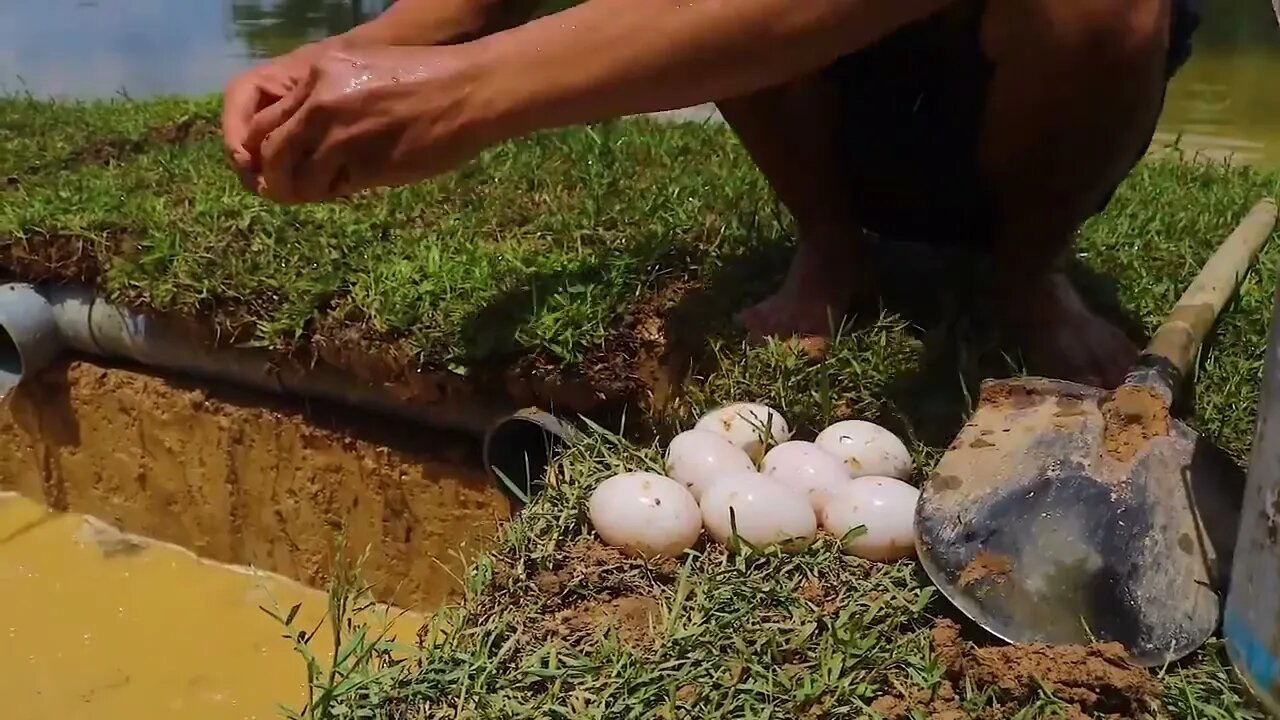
{"x":1224,"y":102}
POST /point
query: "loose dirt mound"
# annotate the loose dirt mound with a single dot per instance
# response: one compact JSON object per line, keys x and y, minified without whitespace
{"x":636,"y":620}
{"x":1092,"y":680}
{"x":591,"y":592}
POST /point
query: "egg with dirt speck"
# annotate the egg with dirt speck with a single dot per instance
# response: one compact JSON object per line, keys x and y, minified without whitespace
{"x":761,"y":511}
{"x":696,"y":458}
{"x":645,"y":515}
{"x":866,"y":449}
{"x":885,"y":507}
{"x":805,"y":467}
{"x":751,"y":426}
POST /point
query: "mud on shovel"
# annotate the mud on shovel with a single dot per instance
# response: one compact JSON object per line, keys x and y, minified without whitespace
{"x":1063,"y":513}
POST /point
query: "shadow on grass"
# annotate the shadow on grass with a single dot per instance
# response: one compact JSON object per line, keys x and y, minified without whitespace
{"x":941,"y":295}
{"x":944,"y":294}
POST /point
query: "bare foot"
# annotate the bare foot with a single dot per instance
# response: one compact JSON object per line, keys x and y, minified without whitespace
{"x":1064,"y":339}
{"x":820,"y":284}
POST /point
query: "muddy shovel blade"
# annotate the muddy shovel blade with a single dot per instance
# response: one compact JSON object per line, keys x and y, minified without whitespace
{"x":1043,"y":524}
{"x":1065,"y":514}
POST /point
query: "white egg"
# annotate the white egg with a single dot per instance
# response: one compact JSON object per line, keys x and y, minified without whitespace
{"x":806,"y":467}
{"x":885,"y":506}
{"x":866,"y":449}
{"x":764,"y":512}
{"x":695,"y":458}
{"x":645,"y":514}
{"x":751,"y":426}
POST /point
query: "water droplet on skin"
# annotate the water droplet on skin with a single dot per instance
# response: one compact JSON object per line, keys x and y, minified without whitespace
{"x":395,"y":78}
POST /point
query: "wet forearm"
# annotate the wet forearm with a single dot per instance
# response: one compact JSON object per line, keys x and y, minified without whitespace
{"x":607,"y":58}
{"x":436,"y":22}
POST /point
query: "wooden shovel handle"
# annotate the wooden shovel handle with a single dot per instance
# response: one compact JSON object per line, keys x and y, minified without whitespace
{"x":1179,"y":338}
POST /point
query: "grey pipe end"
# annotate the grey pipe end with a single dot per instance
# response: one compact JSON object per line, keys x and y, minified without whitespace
{"x":519,"y":448}
{"x":29,"y":338}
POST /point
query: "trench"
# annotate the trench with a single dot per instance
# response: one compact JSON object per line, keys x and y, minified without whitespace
{"x":231,"y":497}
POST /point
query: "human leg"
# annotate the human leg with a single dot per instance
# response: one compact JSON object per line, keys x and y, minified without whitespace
{"x":884,"y":141}
{"x":1072,"y":103}
{"x":792,"y":133}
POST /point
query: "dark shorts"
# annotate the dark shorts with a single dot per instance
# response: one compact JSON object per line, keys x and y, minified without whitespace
{"x":913,"y":107}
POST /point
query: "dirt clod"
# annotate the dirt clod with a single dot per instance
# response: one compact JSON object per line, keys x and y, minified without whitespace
{"x":592,"y":591}
{"x":636,"y":620}
{"x":1010,"y":394}
{"x":1133,"y":416}
{"x":1093,"y":680}
{"x":986,"y":565}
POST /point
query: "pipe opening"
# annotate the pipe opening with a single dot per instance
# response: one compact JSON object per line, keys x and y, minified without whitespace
{"x":519,"y":449}
{"x":10,"y":362}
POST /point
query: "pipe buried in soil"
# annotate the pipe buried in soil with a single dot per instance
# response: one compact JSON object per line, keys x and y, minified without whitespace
{"x":37,"y":324}
{"x":519,"y":448}
{"x":28,"y":335}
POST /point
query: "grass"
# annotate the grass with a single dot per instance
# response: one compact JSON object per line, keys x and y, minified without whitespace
{"x":554,"y":626}
{"x":523,"y":253}
{"x":556,"y":252}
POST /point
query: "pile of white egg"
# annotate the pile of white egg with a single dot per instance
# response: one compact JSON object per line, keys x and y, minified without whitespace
{"x":739,"y":474}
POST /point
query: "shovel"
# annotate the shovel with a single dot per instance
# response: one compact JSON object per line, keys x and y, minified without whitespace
{"x":1067,"y":514}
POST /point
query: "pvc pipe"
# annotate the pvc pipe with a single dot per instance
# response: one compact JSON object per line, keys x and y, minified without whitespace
{"x":519,"y":448}
{"x":38,"y":323}
{"x":29,"y":338}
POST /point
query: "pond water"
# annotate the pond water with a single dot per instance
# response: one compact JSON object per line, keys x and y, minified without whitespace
{"x":1226,"y":101}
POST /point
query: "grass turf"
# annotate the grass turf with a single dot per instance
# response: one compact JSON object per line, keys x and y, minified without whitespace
{"x":555,"y":626}
{"x":551,"y":248}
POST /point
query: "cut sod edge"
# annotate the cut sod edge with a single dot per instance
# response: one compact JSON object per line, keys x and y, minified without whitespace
{"x":38,"y":324}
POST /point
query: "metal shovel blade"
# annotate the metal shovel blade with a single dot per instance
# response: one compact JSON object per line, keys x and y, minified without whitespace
{"x":1067,"y":514}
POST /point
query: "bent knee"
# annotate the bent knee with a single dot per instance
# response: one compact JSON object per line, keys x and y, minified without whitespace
{"x":1093,"y":31}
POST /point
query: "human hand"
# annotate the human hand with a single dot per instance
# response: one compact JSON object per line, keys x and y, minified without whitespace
{"x":369,"y":117}
{"x":253,"y":91}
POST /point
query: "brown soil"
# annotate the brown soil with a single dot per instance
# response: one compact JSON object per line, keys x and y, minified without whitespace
{"x":112,"y":151}
{"x":592,"y":591}
{"x":986,"y":566}
{"x":1133,"y":416}
{"x":636,"y":363}
{"x":59,"y":257}
{"x":1093,"y":680}
{"x":637,"y":622}
{"x":247,"y":479}
{"x":590,"y":569}
{"x":1009,"y":394}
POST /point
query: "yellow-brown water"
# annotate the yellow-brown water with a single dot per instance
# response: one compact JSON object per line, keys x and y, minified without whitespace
{"x":1226,"y":101}
{"x":94,"y":624}
{"x":246,"y":479}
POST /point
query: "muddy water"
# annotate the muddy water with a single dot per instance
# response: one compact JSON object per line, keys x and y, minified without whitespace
{"x":1226,"y":102}
{"x":94,"y":624}
{"x":244,"y":479}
